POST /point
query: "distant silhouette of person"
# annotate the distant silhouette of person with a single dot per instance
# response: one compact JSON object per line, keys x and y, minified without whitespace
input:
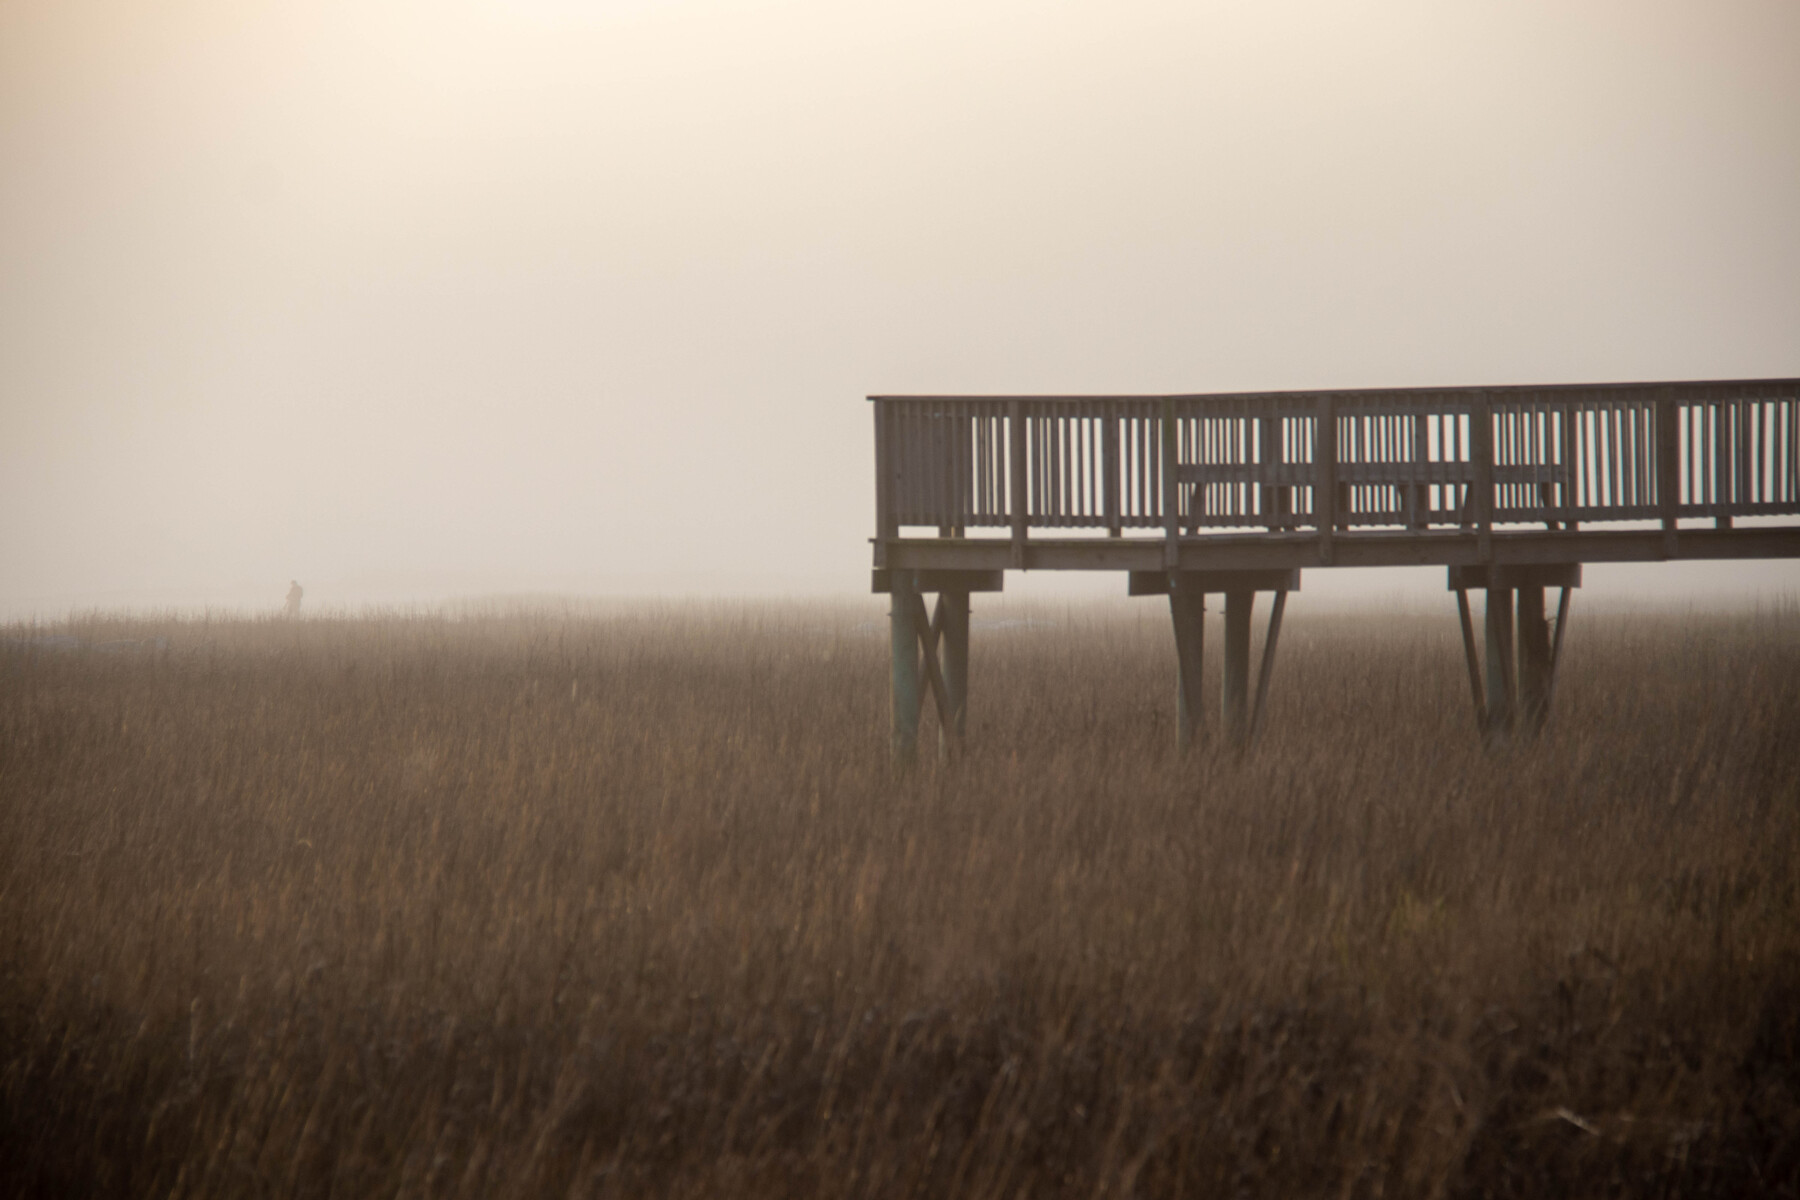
{"x":295,"y":591}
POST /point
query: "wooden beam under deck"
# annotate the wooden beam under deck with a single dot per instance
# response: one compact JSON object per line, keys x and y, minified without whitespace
{"x":1158,"y":583}
{"x":881,"y":581}
{"x":1283,"y":551}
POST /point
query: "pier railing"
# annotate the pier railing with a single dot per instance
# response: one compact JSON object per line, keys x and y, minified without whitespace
{"x":1412,"y":459}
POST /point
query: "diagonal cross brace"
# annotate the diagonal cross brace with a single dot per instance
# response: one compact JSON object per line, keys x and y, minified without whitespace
{"x":1268,"y":663}
{"x":929,"y":629}
{"x":1468,"y":634}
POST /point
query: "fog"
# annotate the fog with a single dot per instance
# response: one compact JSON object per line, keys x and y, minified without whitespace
{"x":418,"y":300}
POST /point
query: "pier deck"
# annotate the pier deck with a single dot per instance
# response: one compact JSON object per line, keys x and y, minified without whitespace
{"x":1237,"y":493}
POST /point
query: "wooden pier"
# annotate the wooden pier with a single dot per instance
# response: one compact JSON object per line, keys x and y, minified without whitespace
{"x":1511,"y":489}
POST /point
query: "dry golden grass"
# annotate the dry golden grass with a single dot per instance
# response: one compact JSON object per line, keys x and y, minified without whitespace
{"x":630,"y":904}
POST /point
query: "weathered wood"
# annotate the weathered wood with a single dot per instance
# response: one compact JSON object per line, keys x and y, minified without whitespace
{"x":1668,"y":470}
{"x":930,"y":579}
{"x":1187,"y":612}
{"x":1391,"y":549}
{"x":1159,"y":583}
{"x":1015,"y":480}
{"x":1481,"y":451}
{"x":927,"y":632}
{"x":1398,"y":477}
{"x":1270,"y":459}
{"x":1235,"y":677}
{"x":1560,"y":456}
{"x":1417,"y":493}
{"x":1500,"y":690}
{"x":904,"y":670}
{"x":1270,"y":640}
{"x":886,"y":528}
{"x":953,"y":619}
{"x":1556,"y":645}
{"x":1325,"y":480}
{"x":1170,"y":505}
{"x":1110,"y":456}
{"x":1565,"y":484}
{"x":1617,"y":481}
{"x":1474,"y":662}
{"x":1533,"y":660}
{"x":1514,"y":575}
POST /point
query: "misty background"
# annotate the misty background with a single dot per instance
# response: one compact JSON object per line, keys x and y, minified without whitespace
{"x":420,"y":300}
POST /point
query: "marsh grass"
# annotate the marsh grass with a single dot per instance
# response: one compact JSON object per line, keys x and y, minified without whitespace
{"x":632,"y":904}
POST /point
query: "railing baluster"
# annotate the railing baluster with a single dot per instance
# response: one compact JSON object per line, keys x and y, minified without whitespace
{"x":1109,"y":463}
{"x":1015,"y":479}
{"x":932,"y":438}
{"x":1171,"y":518}
{"x":1640,"y":454}
{"x":1064,"y":499}
{"x":1045,"y":493}
{"x":1481,"y":452}
{"x":1622,"y":442}
{"x":1668,"y":458}
{"x":1740,"y":443}
{"x":1791,"y":447}
{"x":1565,"y":476}
{"x":1325,"y":457}
{"x":1728,"y":452}
{"x":1035,"y":423}
{"x":1083,"y":503}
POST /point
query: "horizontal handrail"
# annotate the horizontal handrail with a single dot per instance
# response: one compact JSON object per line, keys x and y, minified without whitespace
{"x":1325,"y":461}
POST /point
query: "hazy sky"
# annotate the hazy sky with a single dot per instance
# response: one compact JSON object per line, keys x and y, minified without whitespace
{"x":412,"y":299}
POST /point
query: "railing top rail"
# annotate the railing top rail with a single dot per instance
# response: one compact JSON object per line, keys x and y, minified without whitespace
{"x":1501,"y":392}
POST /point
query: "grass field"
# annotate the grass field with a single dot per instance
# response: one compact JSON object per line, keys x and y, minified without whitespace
{"x":630,"y":903}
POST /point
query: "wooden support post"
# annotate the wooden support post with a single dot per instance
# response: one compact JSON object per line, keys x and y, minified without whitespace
{"x":1562,"y":622}
{"x":1474,"y":662}
{"x":1499,"y":665}
{"x":1236,"y":676}
{"x":953,"y":623}
{"x":904,"y":647}
{"x":1534,"y":660}
{"x":1268,"y":662}
{"x":1521,"y":653}
{"x":1187,"y":608}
